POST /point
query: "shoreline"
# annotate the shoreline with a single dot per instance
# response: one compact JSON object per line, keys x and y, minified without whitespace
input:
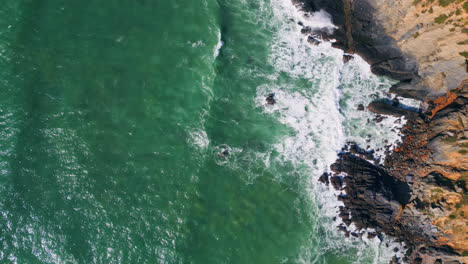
{"x":419,"y":195}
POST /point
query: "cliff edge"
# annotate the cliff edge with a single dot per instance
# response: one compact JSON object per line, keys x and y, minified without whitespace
{"x":419,"y":195}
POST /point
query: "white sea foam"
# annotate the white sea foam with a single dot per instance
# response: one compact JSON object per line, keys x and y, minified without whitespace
{"x":320,"y":19}
{"x":324,"y":116}
{"x":410,"y":102}
{"x":219,"y":45}
{"x":197,"y":44}
{"x":199,"y":139}
{"x":312,"y":113}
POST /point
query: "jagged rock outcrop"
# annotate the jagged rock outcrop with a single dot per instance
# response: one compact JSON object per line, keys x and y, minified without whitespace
{"x":421,"y":44}
{"x":434,"y":154}
{"x":419,"y":195}
{"x":405,"y":40}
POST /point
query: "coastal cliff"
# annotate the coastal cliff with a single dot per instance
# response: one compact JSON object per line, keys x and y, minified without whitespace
{"x":421,"y":43}
{"x":419,"y":194}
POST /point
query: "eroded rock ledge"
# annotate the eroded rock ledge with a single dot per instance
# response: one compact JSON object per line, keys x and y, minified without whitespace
{"x":419,"y":195}
{"x":405,"y":40}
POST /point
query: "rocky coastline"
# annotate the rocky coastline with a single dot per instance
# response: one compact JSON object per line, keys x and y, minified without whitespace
{"x":418,"y":195}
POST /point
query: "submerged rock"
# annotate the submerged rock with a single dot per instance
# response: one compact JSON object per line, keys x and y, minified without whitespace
{"x":324,"y":178}
{"x":306,"y":30}
{"x":347,"y":58}
{"x":271,"y":99}
{"x":312,"y":40}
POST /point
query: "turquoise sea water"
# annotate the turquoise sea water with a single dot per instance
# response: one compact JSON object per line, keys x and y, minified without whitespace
{"x":113,"y":115}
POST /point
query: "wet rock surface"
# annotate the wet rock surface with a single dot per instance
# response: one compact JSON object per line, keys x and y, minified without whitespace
{"x":385,"y":34}
{"x":386,"y":108}
{"x":415,"y":196}
{"x":360,"y":32}
{"x":419,"y":194}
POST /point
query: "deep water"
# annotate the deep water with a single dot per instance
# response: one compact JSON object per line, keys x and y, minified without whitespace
{"x":113,"y":115}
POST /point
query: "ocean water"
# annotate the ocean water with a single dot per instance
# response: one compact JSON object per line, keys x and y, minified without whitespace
{"x":113,"y":115}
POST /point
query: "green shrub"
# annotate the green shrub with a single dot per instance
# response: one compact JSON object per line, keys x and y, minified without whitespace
{"x":441,"y":19}
{"x":445,"y":2}
{"x":452,"y":216}
{"x":450,"y":139}
{"x":464,"y":54}
{"x":463,"y":151}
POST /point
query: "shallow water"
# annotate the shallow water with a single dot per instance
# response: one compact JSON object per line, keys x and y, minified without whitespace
{"x":113,"y":115}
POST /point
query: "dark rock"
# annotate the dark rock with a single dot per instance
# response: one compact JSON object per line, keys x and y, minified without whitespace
{"x":347,"y":222}
{"x":360,"y":107}
{"x":324,"y":178}
{"x":371,"y":235}
{"x":358,"y":31}
{"x":384,"y":108}
{"x":344,"y":213}
{"x":406,"y":89}
{"x":373,"y":197}
{"x":438,"y":180}
{"x":420,"y":204}
{"x":395,"y":260}
{"x":342,"y":228}
{"x":325,"y":36}
{"x":336,"y":182}
{"x":355,"y":149}
{"x":380,"y":237}
{"x":271,"y":99}
{"x":347,"y":58}
{"x":306,"y":30}
{"x":312,"y":40}
{"x":224,"y":153}
{"x":379,"y":118}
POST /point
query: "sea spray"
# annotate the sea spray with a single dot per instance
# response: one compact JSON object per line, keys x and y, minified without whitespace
{"x":113,"y":130}
{"x":326,"y":115}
